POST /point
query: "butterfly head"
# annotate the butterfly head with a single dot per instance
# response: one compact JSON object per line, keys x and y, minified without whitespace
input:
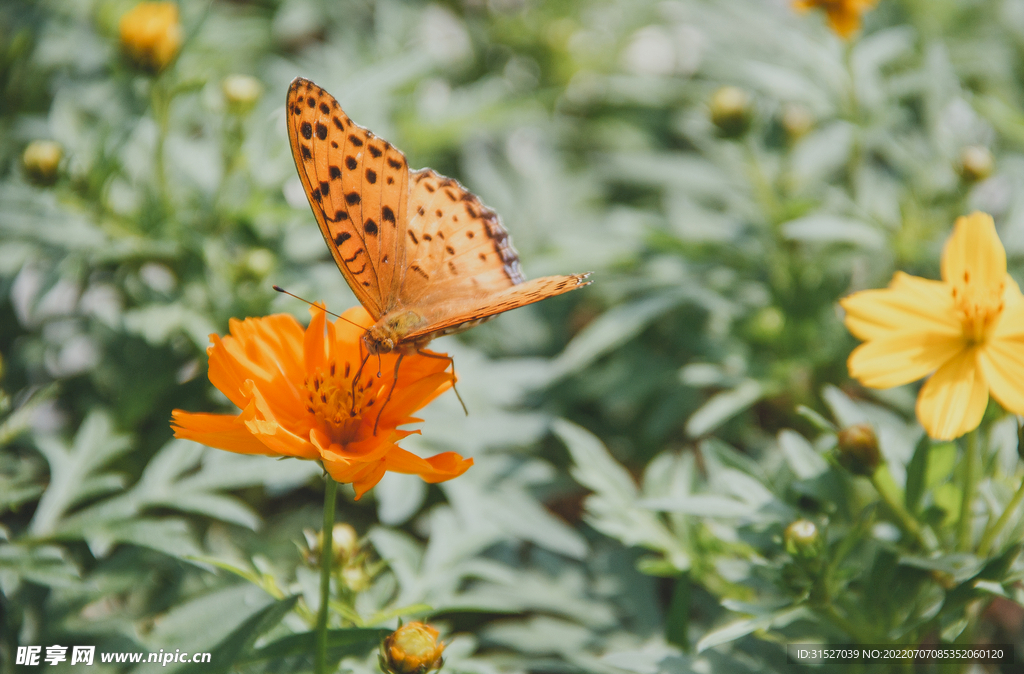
{"x":387,"y":334}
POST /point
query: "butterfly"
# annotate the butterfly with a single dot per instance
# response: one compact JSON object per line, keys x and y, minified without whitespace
{"x":422,"y":254}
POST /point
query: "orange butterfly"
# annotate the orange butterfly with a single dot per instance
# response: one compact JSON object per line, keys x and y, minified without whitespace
{"x":422,"y":254}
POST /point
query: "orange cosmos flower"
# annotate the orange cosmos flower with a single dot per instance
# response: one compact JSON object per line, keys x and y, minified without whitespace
{"x":843,"y":15}
{"x":967,"y":329}
{"x":304,"y":394}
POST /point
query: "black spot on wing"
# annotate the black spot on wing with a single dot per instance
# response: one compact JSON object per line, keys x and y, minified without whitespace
{"x":342,"y":238}
{"x":306,"y":130}
{"x":370,"y":227}
{"x":371,"y":176}
{"x":388,"y":215}
{"x":321,"y":131}
{"x":351,"y":163}
{"x":353,"y":198}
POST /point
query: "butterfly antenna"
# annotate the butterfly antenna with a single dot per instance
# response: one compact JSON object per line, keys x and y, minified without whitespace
{"x":451,"y":361}
{"x":282,"y":290}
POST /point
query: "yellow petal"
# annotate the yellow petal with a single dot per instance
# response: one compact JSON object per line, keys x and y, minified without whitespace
{"x":974,"y":253}
{"x":1011,"y":321}
{"x":953,"y":401}
{"x":901,"y":358}
{"x":1002,"y":362}
{"x":909,"y":303}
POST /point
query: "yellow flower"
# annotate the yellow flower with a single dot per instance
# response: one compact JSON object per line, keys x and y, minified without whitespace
{"x":843,"y":15}
{"x":151,"y":34}
{"x":967,"y":329}
{"x":42,"y":160}
{"x":411,"y":649}
{"x":311,"y":396}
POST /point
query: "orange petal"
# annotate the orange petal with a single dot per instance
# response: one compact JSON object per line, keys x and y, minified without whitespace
{"x":1002,"y":362}
{"x":953,"y":401}
{"x":901,"y":358}
{"x":974,"y":252}
{"x":909,"y":303}
{"x":437,"y":468}
{"x":221,"y":431}
{"x":313,"y":341}
{"x":261,"y":421}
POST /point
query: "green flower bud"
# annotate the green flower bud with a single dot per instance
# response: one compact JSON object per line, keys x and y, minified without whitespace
{"x":42,"y":160}
{"x":241,"y":92}
{"x":802,"y":539}
{"x":797,"y":120}
{"x":858,"y":450}
{"x":730,"y":111}
{"x":976,"y":163}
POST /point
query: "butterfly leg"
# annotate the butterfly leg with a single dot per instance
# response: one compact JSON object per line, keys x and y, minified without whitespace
{"x":394,"y":385}
{"x":451,"y":361}
{"x":355,"y":380}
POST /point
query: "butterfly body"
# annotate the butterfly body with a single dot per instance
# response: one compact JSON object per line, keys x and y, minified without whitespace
{"x":421,"y":253}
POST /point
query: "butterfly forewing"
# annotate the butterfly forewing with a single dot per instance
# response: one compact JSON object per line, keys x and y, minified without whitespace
{"x":405,"y":241}
{"x":357,"y":185}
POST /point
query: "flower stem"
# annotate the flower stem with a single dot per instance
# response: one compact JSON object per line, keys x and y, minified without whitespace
{"x":326,"y":548}
{"x":907,"y":521}
{"x":970,"y":458}
{"x":993,"y":531}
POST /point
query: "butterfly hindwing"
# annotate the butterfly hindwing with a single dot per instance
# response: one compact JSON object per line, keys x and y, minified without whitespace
{"x":456,"y":247}
{"x":357,"y":185}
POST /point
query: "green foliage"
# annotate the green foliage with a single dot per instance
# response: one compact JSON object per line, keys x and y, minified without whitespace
{"x":690,"y":398}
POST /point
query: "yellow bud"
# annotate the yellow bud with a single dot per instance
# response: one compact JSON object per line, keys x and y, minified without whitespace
{"x":151,"y":34}
{"x":797,"y":120}
{"x":802,"y":539}
{"x":767,"y":324}
{"x":260,"y":262}
{"x":241,"y":92}
{"x":976,"y":163}
{"x":356,"y":578}
{"x":41,"y":161}
{"x":411,"y":649}
{"x":858,"y":450}
{"x":730,"y":111}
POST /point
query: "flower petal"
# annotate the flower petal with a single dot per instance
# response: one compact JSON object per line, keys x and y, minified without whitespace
{"x":221,"y":431}
{"x":901,"y":358}
{"x":974,"y":253}
{"x":437,"y":468}
{"x":1002,"y":362}
{"x":909,"y":303}
{"x":259,"y":418}
{"x":953,"y":401}
{"x":1011,"y":321}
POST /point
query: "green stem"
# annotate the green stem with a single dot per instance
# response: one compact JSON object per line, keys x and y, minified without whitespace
{"x":970,"y":479}
{"x":906,"y":521}
{"x":993,"y":531}
{"x":161,"y":102}
{"x":326,"y":548}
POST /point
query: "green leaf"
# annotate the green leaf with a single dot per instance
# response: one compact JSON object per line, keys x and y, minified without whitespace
{"x":228,"y":651}
{"x":355,"y":641}
{"x":723,"y":406}
{"x":742,"y":628}
{"x":800,"y":456}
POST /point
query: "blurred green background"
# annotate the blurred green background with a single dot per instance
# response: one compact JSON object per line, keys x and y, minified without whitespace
{"x":641,"y":445}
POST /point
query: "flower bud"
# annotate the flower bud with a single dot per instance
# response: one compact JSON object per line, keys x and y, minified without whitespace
{"x":976,"y":163}
{"x":260,"y":262}
{"x":241,"y":92}
{"x":411,"y":649}
{"x":356,"y":578}
{"x":41,"y":161}
{"x":802,"y":539}
{"x":344,"y":542}
{"x":858,"y":450}
{"x":151,"y":34}
{"x":767,"y":324}
{"x":797,"y":120}
{"x":730,"y":111}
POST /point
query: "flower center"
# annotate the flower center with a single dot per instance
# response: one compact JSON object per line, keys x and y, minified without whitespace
{"x":337,"y":401}
{"x":978,"y":306}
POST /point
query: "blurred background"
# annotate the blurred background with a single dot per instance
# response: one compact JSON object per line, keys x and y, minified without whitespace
{"x":728,"y":169}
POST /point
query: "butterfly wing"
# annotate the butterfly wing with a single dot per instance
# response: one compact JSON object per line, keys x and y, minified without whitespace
{"x":358,"y":188}
{"x":461,"y":267}
{"x":445,"y":318}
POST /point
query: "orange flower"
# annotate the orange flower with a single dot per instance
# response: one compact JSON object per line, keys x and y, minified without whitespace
{"x":151,"y":34}
{"x":306,"y":395}
{"x":843,"y":15}
{"x":411,"y":649}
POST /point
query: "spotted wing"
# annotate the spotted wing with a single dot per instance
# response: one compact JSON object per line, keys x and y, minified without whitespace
{"x":460,"y":264}
{"x":358,"y":187}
